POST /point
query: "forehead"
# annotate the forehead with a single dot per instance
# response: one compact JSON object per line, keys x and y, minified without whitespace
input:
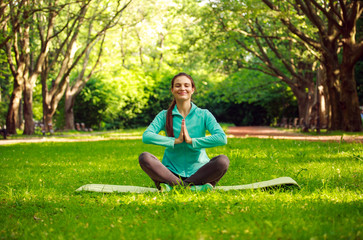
{"x":182,"y":80}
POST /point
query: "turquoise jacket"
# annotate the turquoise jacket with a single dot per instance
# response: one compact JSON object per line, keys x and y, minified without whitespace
{"x":185,"y":159}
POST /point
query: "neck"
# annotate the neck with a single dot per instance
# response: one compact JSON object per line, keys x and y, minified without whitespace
{"x":184,"y":107}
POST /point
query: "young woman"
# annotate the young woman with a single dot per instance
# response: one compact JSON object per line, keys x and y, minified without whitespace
{"x":185,"y":161}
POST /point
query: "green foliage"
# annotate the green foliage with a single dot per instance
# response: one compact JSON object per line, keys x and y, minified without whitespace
{"x":3,"y":113}
{"x":238,"y":99}
{"x":38,"y":103}
{"x":112,"y":100}
{"x":59,"y":120}
{"x":159,"y":98}
{"x":145,"y":50}
{"x":5,"y":74}
{"x":39,"y":179}
{"x":5,"y":88}
{"x":91,"y":103}
{"x":127,"y":98}
{"x":241,"y":99}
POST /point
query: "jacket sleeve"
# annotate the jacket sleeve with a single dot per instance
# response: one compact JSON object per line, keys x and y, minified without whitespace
{"x":217,"y":138}
{"x":151,"y":134}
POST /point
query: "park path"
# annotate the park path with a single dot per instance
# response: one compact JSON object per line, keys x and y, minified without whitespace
{"x":84,"y":138}
{"x":232,"y":132}
{"x":270,"y":132}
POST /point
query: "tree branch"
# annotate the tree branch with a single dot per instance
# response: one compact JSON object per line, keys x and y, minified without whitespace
{"x":329,"y":15}
{"x":10,"y":59}
{"x":77,"y":88}
{"x":247,"y":34}
{"x":74,"y":27}
{"x":69,"y":64}
{"x":264,"y":58}
{"x":312,"y":15}
{"x":65,"y":68}
{"x":344,"y":9}
{"x":288,"y":65}
{"x":261,"y":55}
{"x":293,"y":28}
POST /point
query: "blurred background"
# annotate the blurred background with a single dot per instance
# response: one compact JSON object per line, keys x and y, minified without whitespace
{"x":108,"y":63}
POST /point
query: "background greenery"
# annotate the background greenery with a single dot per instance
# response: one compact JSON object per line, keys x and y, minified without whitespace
{"x":144,"y":50}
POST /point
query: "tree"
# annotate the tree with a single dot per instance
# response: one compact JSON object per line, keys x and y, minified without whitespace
{"x":40,"y":39}
{"x":96,"y":13}
{"x":335,"y":22}
{"x":5,"y":87}
{"x":76,"y":86}
{"x":251,"y":38}
{"x":24,"y":65}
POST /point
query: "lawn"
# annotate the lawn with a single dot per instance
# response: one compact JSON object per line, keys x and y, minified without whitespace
{"x":38,"y":198}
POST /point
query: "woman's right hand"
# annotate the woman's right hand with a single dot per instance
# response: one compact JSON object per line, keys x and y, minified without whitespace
{"x":180,"y":139}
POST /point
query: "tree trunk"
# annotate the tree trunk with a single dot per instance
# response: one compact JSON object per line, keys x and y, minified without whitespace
{"x":28,"y":109}
{"x":47,"y":117}
{"x":303,"y":107}
{"x":323,"y":98}
{"x":161,"y":44}
{"x":305,"y":101}
{"x":335,"y":117}
{"x":68,"y":110}
{"x":351,"y":120}
{"x":12,"y":119}
{"x":122,"y":47}
{"x":48,"y":121}
{"x":332,"y":84}
{"x":140,"y":56}
{"x":76,"y":87}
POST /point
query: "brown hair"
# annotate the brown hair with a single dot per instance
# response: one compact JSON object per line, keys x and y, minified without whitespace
{"x":169,"y":116}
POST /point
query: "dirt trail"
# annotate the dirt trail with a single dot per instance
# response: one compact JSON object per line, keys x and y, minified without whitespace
{"x":269,"y":132}
{"x":64,"y":139}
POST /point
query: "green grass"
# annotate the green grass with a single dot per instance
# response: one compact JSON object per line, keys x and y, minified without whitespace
{"x":38,"y":198}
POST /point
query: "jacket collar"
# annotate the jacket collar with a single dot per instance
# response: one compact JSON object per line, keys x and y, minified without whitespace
{"x":176,"y":111}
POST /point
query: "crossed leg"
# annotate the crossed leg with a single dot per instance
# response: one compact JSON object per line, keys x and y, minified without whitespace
{"x":211,"y":172}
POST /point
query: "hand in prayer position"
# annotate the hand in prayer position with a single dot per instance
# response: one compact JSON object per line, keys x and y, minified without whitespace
{"x":184,"y":135}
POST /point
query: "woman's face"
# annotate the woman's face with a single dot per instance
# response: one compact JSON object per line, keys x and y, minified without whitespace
{"x":182,"y":88}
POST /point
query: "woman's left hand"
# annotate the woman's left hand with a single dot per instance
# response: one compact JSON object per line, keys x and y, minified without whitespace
{"x":187,"y":138}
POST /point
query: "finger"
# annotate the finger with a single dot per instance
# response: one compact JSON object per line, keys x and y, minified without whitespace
{"x":181,"y":135}
{"x":184,"y":125}
{"x":186,"y":134}
{"x":183,"y":128}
